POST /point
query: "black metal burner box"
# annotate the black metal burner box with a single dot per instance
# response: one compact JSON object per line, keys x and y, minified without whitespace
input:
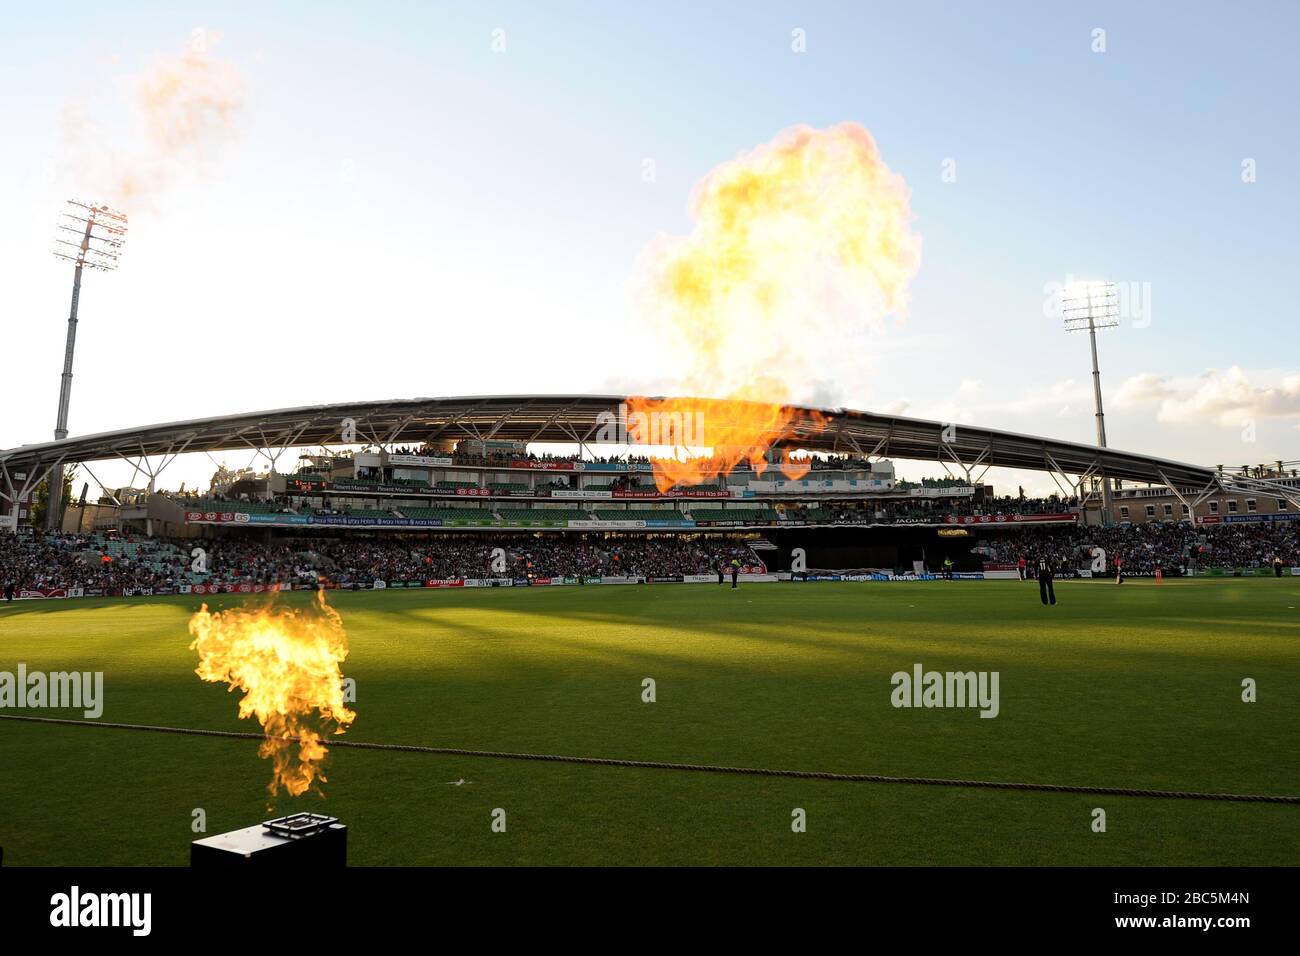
{"x":298,"y":840}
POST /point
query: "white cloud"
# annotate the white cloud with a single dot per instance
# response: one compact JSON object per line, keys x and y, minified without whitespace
{"x":1226,"y":397}
{"x":1141,"y":389}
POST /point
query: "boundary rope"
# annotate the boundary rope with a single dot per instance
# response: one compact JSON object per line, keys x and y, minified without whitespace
{"x":693,"y":767}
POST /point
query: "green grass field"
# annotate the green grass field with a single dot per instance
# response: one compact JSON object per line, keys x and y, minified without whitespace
{"x":1133,"y":686}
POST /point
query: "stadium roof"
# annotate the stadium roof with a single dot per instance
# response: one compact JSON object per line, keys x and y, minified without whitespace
{"x":573,"y":419}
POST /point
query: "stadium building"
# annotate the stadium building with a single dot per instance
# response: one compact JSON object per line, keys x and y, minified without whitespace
{"x":454,"y":472}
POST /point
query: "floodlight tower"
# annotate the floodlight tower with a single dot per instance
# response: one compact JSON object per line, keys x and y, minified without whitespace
{"x":1093,"y":306}
{"x":100,"y":233}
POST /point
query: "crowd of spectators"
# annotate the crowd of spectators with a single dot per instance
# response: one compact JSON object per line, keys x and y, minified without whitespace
{"x":1145,"y":547}
{"x":926,"y":510}
{"x":900,"y":510}
{"x":127,"y":562}
{"x":191,"y":500}
{"x":131,"y":562}
{"x":47,"y":561}
{"x":1023,"y":506}
{"x":502,"y":458}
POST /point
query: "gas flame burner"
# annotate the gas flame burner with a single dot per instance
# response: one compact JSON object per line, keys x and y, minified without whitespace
{"x":298,"y":825}
{"x":295,"y":841}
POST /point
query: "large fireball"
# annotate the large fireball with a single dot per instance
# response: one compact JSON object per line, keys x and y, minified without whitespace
{"x":287,"y":663}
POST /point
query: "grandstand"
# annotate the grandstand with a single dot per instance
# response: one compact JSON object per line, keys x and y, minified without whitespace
{"x":850,"y":509}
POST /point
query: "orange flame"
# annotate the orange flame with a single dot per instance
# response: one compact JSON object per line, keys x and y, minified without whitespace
{"x":286,"y":662}
{"x":798,"y":247}
{"x":188,"y":107}
{"x":736,"y":431}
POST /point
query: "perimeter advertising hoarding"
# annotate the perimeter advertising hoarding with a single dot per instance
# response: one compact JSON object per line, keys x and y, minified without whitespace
{"x":1247,"y":519}
{"x":599,"y":466}
{"x":673,"y":493}
{"x":871,"y":576}
{"x":616,"y":466}
{"x":43,"y":593}
{"x":601,"y":494}
{"x":1008,"y":519}
{"x":352,"y":521}
{"x":805,"y":486}
{"x":547,"y":464}
{"x":228,"y":589}
{"x":927,"y":491}
{"x":383,"y":488}
{"x":598,"y":523}
{"x":420,"y":461}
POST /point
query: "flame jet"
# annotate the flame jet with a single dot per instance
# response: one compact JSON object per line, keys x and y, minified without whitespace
{"x":287,"y":663}
{"x":798,"y":247}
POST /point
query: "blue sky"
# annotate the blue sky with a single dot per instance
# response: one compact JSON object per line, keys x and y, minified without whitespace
{"x":404,"y":210}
